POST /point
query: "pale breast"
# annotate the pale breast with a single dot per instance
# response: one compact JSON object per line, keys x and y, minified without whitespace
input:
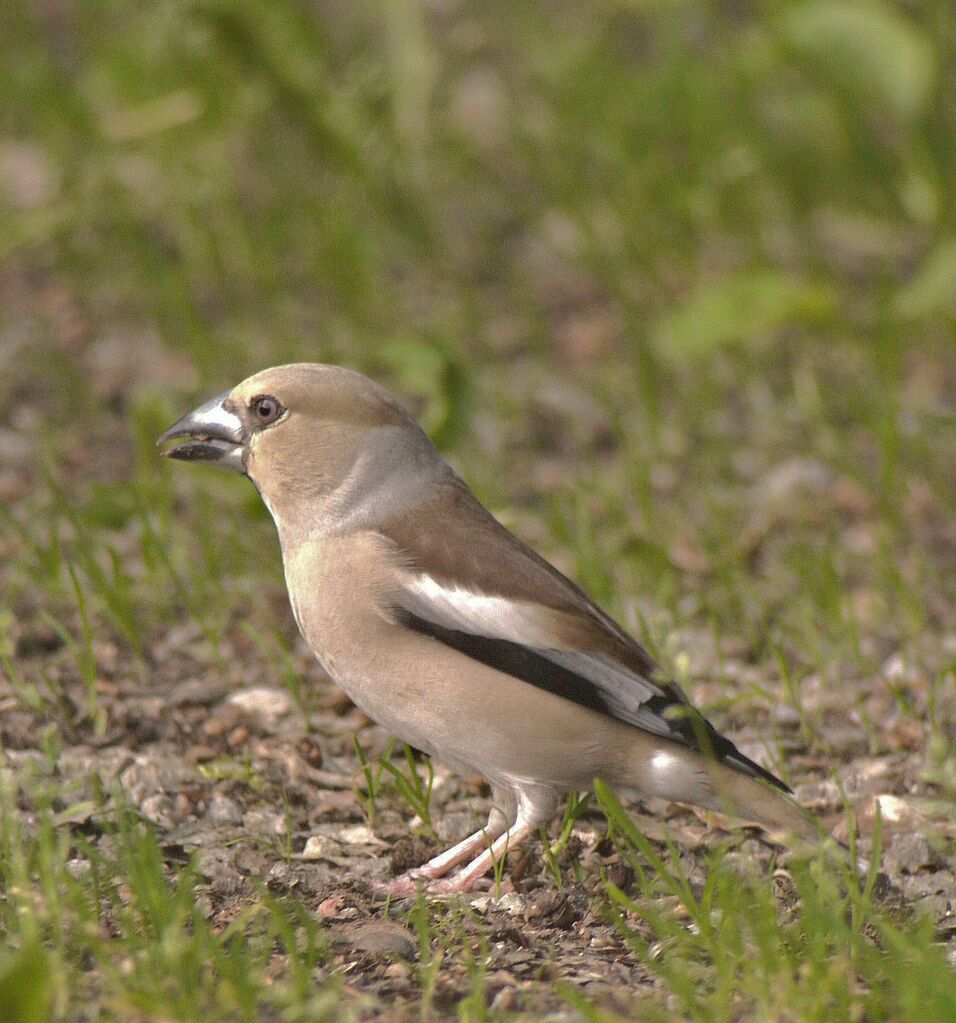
{"x":338,"y":588}
{"x":428,"y":694}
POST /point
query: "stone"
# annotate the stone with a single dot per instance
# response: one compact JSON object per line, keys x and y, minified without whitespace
{"x":383,"y":937}
{"x":911,"y":854}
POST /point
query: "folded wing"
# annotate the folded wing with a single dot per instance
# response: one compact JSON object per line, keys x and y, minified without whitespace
{"x":520,"y":615}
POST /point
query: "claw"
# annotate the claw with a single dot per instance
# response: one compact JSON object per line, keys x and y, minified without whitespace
{"x":431,"y":875}
{"x":402,"y":887}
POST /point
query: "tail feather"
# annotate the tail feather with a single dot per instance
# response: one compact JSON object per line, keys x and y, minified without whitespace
{"x":743,"y":796}
{"x":672,"y":771}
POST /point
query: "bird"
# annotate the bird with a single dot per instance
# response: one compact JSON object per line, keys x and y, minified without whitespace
{"x":453,"y":634}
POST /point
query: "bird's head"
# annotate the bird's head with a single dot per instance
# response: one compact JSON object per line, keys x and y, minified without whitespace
{"x":303,"y":433}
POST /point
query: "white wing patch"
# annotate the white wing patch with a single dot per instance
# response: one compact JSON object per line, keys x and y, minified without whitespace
{"x":454,"y":607}
{"x":554,"y":662}
{"x":600,"y":682}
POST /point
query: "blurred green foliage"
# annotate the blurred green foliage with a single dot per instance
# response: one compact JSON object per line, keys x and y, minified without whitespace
{"x":653,"y":269}
{"x":25,"y":990}
{"x":277,"y":179}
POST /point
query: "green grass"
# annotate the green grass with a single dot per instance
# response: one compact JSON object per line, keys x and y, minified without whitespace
{"x":125,"y":937}
{"x":672,"y":283}
{"x":735,"y":950}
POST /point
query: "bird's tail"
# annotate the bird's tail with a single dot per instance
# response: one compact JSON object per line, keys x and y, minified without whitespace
{"x":749,"y":799}
{"x":681,"y":774}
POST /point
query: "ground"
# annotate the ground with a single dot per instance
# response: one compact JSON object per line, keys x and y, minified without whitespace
{"x":672,"y":285}
{"x":215,"y":763}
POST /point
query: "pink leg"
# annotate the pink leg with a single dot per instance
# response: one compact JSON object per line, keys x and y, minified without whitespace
{"x":406,"y":884}
{"x":465,"y":879}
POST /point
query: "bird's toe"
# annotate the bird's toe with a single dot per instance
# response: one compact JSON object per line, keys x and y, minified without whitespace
{"x":402,"y":887}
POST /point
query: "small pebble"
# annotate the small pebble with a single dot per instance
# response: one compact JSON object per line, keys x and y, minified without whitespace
{"x":223,"y":810}
{"x":383,"y":937}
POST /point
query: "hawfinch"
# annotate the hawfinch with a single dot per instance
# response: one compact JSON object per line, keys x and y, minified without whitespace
{"x":451,"y":633}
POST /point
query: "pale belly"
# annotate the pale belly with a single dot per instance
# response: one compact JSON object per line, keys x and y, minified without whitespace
{"x":359,"y":647}
{"x":435,"y":698}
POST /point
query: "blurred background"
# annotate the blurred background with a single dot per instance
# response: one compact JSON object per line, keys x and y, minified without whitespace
{"x":672,"y":283}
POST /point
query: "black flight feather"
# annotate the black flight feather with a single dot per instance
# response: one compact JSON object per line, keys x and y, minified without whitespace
{"x":594,"y":681}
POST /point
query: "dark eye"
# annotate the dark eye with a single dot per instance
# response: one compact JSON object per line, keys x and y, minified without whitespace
{"x":266,"y":409}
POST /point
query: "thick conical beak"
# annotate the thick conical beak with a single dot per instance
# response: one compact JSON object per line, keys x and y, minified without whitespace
{"x":216,"y":436}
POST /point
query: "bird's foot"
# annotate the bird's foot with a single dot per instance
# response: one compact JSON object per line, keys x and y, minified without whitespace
{"x":402,"y":887}
{"x":408,"y":885}
{"x":452,"y":885}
